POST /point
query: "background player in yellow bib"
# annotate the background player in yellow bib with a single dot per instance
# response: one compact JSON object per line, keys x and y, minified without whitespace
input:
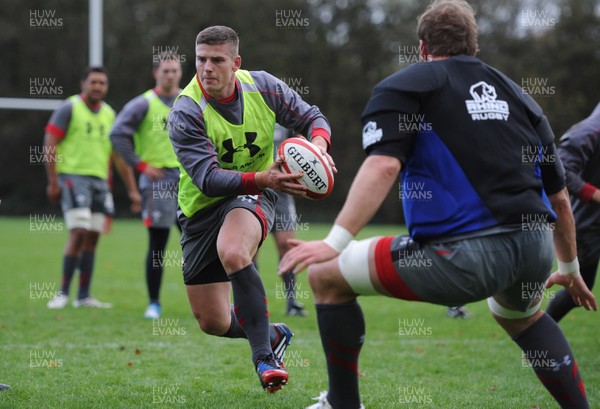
{"x":77,"y":165}
{"x":140,"y":136}
{"x":222,"y":127}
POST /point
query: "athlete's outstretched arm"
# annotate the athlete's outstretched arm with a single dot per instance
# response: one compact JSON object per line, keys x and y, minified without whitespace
{"x":371,"y":186}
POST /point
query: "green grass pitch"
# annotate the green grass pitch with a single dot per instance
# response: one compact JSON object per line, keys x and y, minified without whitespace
{"x":414,"y":356}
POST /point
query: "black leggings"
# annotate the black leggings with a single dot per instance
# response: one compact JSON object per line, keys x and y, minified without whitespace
{"x":154,"y":261}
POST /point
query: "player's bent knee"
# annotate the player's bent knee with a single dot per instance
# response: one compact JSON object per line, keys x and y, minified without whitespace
{"x":316,"y":278}
{"x":232,"y":259}
{"x":209,"y":325}
{"x":354,"y":266}
{"x":328,"y":284}
{"x":498,"y":310}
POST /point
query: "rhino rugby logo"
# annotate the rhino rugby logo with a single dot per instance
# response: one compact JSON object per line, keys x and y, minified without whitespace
{"x":484,"y":105}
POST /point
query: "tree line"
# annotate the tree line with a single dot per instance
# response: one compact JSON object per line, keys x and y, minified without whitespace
{"x":332,"y":52}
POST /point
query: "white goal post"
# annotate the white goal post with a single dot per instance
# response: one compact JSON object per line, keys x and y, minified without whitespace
{"x":95,"y":58}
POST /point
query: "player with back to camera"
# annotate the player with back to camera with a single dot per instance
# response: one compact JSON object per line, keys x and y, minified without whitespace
{"x":79,"y":154}
{"x":140,"y":136}
{"x":222,"y":127}
{"x":579,"y":151}
{"x":470,"y":158}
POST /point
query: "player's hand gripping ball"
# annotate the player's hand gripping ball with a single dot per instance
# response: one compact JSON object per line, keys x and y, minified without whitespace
{"x":299,"y":155}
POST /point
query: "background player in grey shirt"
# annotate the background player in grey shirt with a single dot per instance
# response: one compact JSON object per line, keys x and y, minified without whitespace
{"x":140,"y":136}
{"x":580,"y":153}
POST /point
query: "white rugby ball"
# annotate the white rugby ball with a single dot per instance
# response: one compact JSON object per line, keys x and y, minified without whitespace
{"x":299,"y":155}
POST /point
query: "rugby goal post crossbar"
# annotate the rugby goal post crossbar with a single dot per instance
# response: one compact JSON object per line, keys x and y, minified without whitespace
{"x":95,"y":58}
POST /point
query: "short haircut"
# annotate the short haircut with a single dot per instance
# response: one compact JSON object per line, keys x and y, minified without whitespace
{"x":448,"y":27}
{"x":216,"y":35}
{"x":93,"y":68}
{"x":164,"y":56}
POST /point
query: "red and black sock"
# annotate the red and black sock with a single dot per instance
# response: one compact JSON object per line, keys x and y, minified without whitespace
{"x":250,"y":308}
{"x":236,"y":331}
{"x":552,"y":360}
{"x":69,"y":266}
{"x":342,"y":328}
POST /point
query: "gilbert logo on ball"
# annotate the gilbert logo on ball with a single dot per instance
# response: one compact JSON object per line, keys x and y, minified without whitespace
{"x":299,"y":155}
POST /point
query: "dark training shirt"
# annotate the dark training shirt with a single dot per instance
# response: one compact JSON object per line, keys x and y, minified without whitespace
{"x":477,"y":152}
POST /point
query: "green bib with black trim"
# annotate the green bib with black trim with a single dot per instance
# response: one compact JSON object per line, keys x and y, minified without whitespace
{"x":86,"y":148}
{"x":247,"y":147}
{"x":151,"y":139}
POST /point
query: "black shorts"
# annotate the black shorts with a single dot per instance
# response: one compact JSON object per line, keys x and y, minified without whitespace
{"x":285,"y":213}
{"x":201,"y":264}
